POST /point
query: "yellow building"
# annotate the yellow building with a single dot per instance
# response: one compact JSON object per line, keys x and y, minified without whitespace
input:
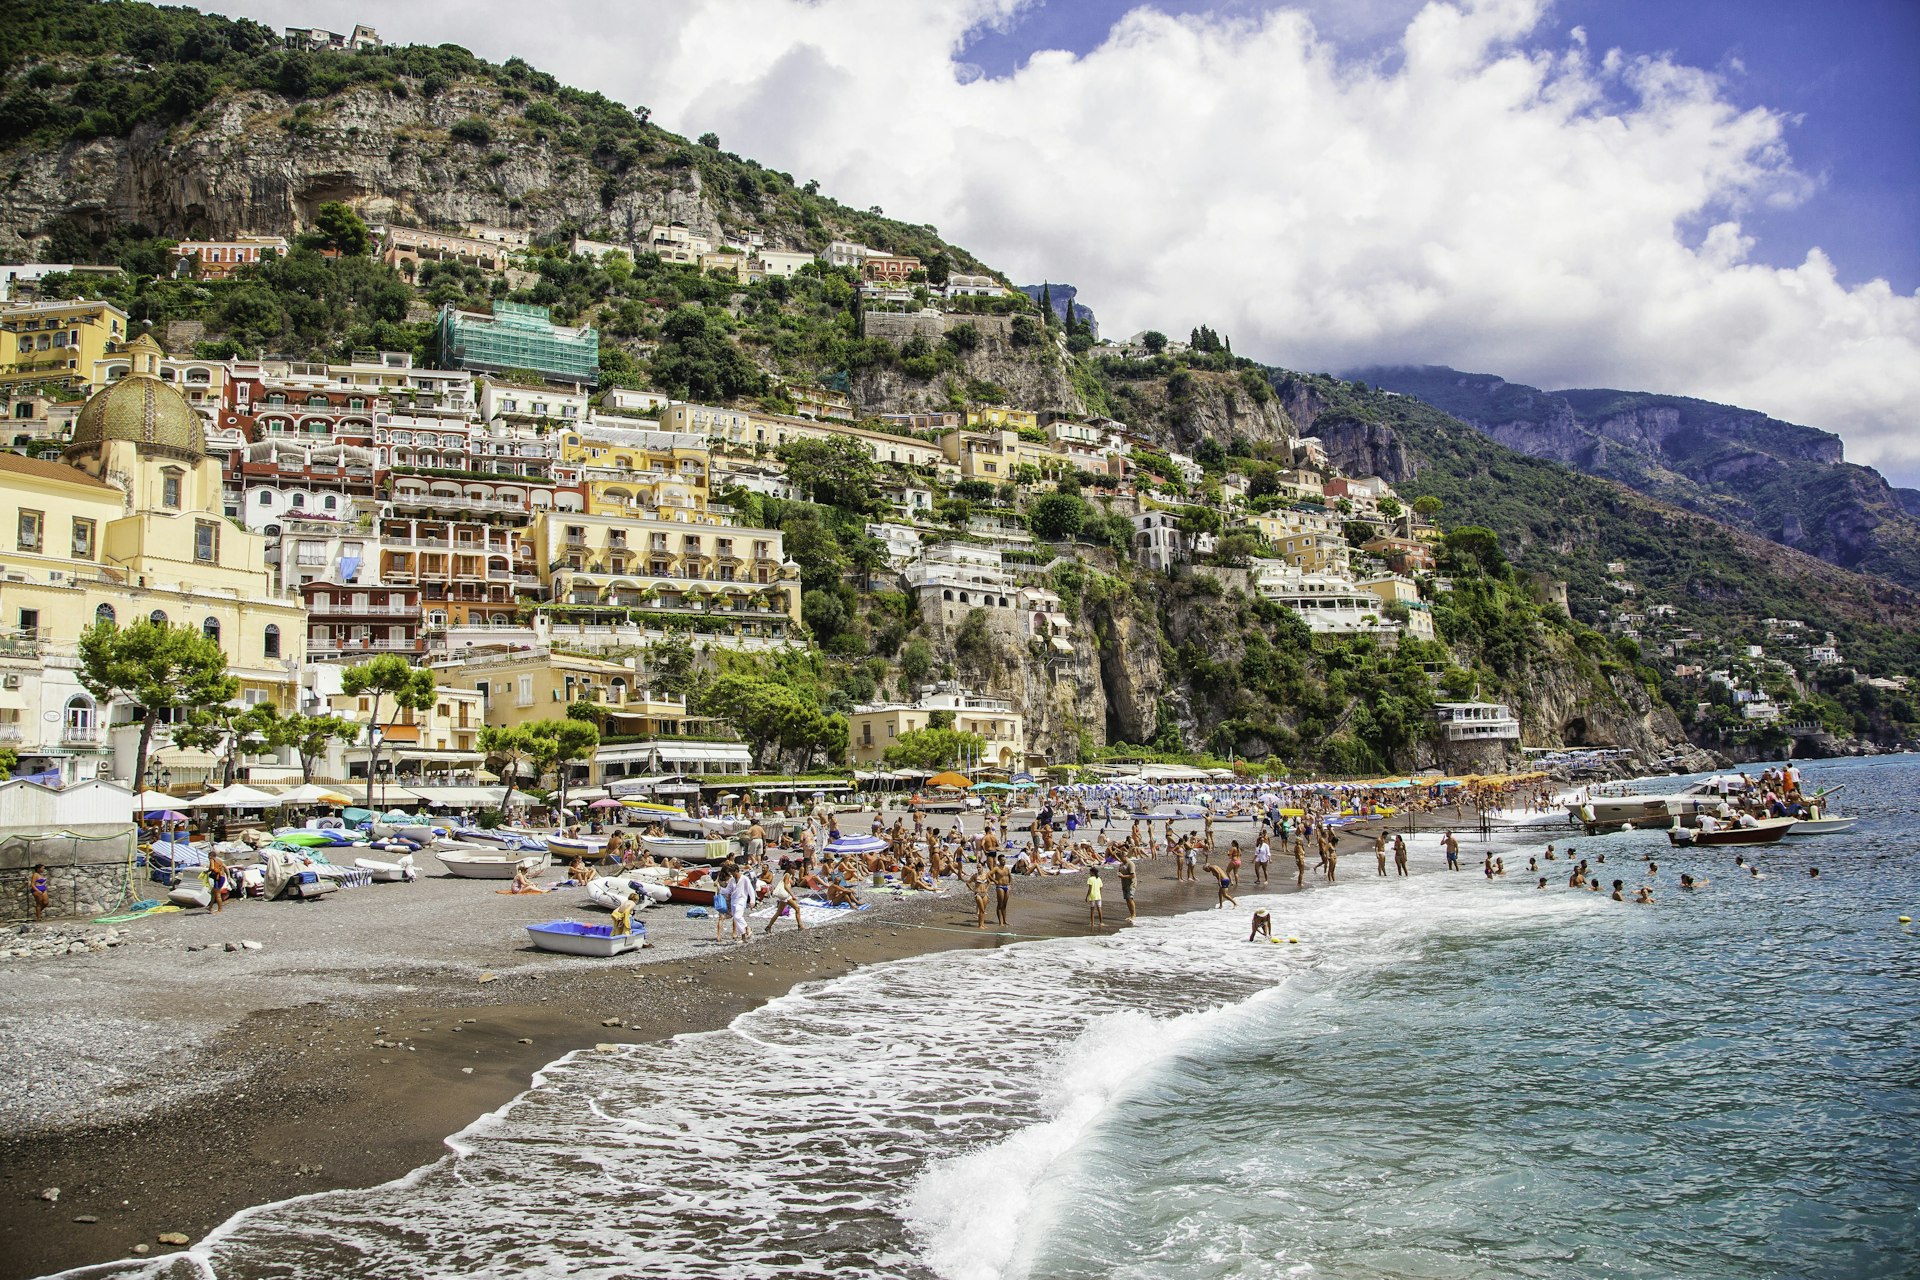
{"x":710,"y":574}
{"x":443,"y":738}
{"x":519,"y":686}
{"x":58,"y":342}
{"x":1002,"y":730}
{"x":627,"y":472}
{"x":994,"y":455}
{"x":997,"y":415}
{"x":128,"y":525}
{"x":1310,"y":542}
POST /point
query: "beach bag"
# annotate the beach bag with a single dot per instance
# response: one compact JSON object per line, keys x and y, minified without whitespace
{"x":722,"y":903}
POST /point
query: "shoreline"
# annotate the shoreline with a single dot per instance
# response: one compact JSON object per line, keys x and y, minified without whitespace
{"x":308,"y":1096}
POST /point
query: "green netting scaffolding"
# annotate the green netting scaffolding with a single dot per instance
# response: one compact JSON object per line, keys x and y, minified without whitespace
{"x":517,"y":336}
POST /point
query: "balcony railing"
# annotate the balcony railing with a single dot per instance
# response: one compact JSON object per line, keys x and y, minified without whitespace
{"x":79,"y":734}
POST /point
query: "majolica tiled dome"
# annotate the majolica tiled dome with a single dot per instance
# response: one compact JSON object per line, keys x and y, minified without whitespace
{"x":141,"y":408}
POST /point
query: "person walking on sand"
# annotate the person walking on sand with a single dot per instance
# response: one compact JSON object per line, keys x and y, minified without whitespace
{"x":1002,"y":880}
{"x":1126,"y":882}
{"x":1262,"y":856}
{"x":1224,"y":889}
{"x":1233,"y":862}
{"x":1094,"y":886}
{"x":218,"y":879}
{"x":980,"y":884}
{"x":781,"y":893}
{"x":1299,"y":864}
{"x":1400,"y":855}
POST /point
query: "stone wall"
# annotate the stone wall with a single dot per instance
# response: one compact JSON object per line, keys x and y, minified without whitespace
{"x":87,"y":872}
{"x":897,"y":326}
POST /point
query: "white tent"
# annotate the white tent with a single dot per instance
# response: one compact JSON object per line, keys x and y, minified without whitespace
{"x":154,"y":801}
{"x":236,"y":796}
{"x":312,"y":793}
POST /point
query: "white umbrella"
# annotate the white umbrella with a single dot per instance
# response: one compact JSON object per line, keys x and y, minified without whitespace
{"x":314,"y":793}
{"x":153,"y":801}
{"x":236,"y":796}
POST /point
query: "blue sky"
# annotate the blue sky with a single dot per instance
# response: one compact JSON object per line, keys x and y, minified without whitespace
{"x":1849,"y":70}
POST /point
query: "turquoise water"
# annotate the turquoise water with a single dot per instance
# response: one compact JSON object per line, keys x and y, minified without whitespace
{"x":1723,"y":1084}
{"x":1443,"y":1076}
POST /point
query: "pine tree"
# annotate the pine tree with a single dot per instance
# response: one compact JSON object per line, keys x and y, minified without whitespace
{"x":1046,"y":303}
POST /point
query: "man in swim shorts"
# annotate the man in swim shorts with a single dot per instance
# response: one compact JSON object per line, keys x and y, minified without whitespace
{"x":1126,"y":875}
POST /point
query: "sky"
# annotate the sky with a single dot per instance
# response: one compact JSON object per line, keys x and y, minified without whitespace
{"x":1718,"y":198}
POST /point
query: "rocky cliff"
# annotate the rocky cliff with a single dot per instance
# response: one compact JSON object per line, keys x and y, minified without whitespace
{"x":1784,"y":482}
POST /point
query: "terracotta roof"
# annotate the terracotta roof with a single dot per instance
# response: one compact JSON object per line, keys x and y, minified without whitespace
{"x":43,"y":469}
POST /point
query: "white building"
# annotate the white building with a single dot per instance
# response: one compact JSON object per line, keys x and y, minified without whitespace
{"x":1477,"y":721}
{"x":1158,"y":542}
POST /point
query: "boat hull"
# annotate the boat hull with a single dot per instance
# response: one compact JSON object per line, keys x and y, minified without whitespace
{"x":489,"y":865}
{"x":566,"y":849}
{"x":687,"y":849}
{"x":571,"y":938}
{"x":1822,"y":826}
{"x":1766,"y":833}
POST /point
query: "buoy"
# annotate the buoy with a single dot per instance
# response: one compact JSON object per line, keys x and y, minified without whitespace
{"x":1906,"y":919}
{"x":1293,"y":939}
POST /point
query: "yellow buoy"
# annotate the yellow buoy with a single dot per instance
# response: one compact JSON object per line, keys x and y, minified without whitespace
{"x":1293,"y":939}
{"x":1906,"y":919}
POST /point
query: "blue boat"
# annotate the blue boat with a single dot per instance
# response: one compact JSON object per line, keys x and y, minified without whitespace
{"x":573,"y":938}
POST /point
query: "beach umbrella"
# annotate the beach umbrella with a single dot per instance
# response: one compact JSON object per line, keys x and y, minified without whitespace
{"x":856,"y":844}
{"x":236,"y":796}
{"x":949,"y":779}
{"x":154,"y":800}
{"x":163,"y":815}
{"x":314,"y":793}
{"x":604,"y":804}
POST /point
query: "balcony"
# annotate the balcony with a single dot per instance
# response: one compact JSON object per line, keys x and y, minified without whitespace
{"x":317,"y":648}
{"x":320,"y":608}
{"x":79,"y":735}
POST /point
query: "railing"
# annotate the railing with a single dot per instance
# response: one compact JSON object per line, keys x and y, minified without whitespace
{"x":79,"y":734}
{"x":321,"y":607}
{"x":316,"y":647}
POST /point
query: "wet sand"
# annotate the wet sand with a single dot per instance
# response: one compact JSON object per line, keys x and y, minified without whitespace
{"x":370,"y":1027}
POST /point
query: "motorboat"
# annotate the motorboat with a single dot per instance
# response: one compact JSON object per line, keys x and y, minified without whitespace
{"x":1822,"y":826}
{"x":489,"y":864}
{"x":1765,"y":831}
{"x":1707,"y":796}
{"x":690,"y":889}
{"x":388,"y":872}
{"x":572,"y":938}
{"x":585,"y":848}
{"x":502,"y":838}
{"x":687,"y":848}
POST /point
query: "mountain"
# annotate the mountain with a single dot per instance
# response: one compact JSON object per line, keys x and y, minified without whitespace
{"x":1064,"y":300}
{"x":1784,"y":482}
{"x":125,"y":126}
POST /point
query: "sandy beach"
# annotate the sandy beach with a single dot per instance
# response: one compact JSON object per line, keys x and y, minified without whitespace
{"x":166,"y":1082}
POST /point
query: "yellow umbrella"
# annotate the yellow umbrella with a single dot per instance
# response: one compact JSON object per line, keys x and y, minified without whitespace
{"x":949,"y":779}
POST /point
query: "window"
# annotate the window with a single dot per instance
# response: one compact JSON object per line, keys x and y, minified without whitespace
{"x":271,"y":642}
{"x":31,"y":523}
{"x":525,"y":691}
{"x":206,"y":541}
{"x":170,"y":488}
{"x":82,"y":539}
{"x":29,"y":624}
{"x":211,"y":629}
{"x":158,"y":618}
{"x":104,"y":614}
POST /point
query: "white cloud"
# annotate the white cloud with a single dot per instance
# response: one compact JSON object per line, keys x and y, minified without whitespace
{"x":1488,"y":193}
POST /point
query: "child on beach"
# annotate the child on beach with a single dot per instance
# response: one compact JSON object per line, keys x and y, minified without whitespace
{"x":1094,"y":886}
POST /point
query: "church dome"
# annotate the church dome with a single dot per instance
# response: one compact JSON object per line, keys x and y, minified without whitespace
{"x":141,"y":408}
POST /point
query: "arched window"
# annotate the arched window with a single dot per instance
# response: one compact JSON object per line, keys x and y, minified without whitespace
{"x":104,"y":614}
{"x":331,"y":502}
{"x":298,"y":499}
{"x":158,"y":618}
{"x":211,"y":629}
{"x":266,"y":498}
{"x":271,"y":641}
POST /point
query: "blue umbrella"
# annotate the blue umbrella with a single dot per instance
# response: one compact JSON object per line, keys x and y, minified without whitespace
{"x":163,"y":815}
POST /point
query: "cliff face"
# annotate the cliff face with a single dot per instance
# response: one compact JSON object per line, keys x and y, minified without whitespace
{"x":1788,"y":483}
{"x":248,"y":164}
{"x":1031,"y":377}
{"x":1203,"y":405}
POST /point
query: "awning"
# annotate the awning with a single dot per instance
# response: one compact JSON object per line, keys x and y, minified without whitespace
{"x":184,"y":758}
{"x":1060,"y":644}
{"x":698,"y":752}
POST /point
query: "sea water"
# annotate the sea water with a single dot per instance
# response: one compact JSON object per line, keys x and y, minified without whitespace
{"x":1443,"y":1076}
